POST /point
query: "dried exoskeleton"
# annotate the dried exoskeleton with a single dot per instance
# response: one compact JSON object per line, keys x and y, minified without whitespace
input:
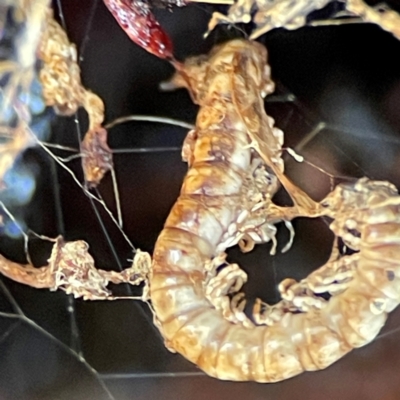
{"x":71,"y":268}
{"x":194,"y":292}
{"x":292,"y":14}
{"x":63,"y":90}
{"x":289,"y":14}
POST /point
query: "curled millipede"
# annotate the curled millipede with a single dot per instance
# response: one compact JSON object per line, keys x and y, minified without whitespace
{"x":217,"y":192}
{"x":234,"y":155}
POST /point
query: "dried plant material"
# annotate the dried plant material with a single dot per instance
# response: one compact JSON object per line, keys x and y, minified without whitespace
{"x":71,"y":268}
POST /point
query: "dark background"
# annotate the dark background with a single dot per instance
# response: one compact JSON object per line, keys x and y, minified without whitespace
{"x":338,"y":101}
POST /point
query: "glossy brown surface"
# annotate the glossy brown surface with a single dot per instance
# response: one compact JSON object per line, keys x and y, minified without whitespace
{"x":346,"y":76}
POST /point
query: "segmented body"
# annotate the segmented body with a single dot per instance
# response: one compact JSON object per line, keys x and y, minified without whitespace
{"x":233,"y":135}
{"x":211,"y":200}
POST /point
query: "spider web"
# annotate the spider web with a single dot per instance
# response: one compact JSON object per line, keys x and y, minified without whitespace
{"x":54,"y":346}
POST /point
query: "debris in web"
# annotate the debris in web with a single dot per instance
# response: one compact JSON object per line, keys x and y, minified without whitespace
{"x":97,"y":156}
{"x":71,"y":268}
{"x":382,"y":15}
{"x":271,"y":14}
{"x":63,"y":90}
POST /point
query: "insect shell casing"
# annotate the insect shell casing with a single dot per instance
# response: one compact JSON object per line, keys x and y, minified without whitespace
{"x":209,"y":203}
{"x":207,"y":206}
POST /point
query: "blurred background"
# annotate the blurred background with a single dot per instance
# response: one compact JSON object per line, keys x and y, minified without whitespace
{"x":338,"y":102}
